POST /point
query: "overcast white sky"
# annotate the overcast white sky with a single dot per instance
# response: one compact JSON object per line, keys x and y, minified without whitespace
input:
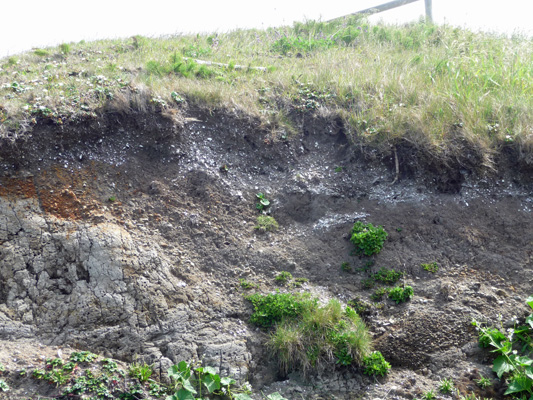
{"x":38,"y":23}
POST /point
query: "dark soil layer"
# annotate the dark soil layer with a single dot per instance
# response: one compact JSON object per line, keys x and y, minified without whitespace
{"x":191,"y":190}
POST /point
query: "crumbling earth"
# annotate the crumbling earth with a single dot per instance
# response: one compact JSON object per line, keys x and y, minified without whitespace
{"x":127,"y":236}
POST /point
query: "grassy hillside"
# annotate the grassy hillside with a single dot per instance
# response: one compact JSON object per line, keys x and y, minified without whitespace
{"x":441,"y":90}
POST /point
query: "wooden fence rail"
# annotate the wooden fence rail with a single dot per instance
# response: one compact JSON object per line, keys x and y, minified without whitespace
{"x":396,"y":3}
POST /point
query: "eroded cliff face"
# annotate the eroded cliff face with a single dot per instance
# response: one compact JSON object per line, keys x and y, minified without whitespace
{"x":126,"y":237}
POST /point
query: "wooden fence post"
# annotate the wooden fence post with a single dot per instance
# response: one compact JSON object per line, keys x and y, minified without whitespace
{"x":429,"y":11}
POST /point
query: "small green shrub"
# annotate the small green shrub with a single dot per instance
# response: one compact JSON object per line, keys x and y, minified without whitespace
{"x":266,"y":223}
{"x":2,"y":368}
{"x":283,"y":277}
{"x":401,"y":295}
{"x":368,"y":240}
{"x":375,"y":364}
{"x":272,"y":308}
{"x":389,"y":277}
{"x":433,"y":267}
{"x":446,"y":385}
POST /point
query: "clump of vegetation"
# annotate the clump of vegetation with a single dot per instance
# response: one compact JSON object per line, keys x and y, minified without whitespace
{"x":262,"y":202}
{"x":328,"y":334}
{"x":196,"y":381}
{"x":307,"y":335}
{"x":105,"y":380}
{"x":433,"y":267}
{"x":247,"y":285}
{"x":273,"y":308}
{"x":266,"y":223}
{"x":361,"y":307}
{"x":41,"y":52}
{"x":65,"y":48}
{"x":401,"y":294}
{"x":4,"y":387}
{"x":367,"y":238}
{"x":298,"y":282}
{"x":429,"y":395}
{"x":379,"y":293}
{"x":483,"y":382}
{"x":283,"y":277}
{"x":446,"y":385}
{"x":346,"y":267}
{"x":142,"y":372}
{"x":375,"y":364}
{"x":514,"y":362}
{"x":389,"y":277}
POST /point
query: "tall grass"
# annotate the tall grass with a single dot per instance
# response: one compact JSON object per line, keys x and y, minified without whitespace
{"x":440,"y":89}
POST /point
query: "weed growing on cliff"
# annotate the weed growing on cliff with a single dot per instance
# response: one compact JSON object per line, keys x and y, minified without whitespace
{"x":368,"y":240}
{"x":375,"y":364}
{"x":142,"y":372}
{"x":320,"y":335}
{"x":2,"y":368}
{"x":4,"y":387}
{"x":273,"y":308}
{"x":346,"y":267}
{"x":401,"y":295}
{"x":266,"y":223}
{"x":514,"y":362}
{"x":483,"y":382}
{"x":283,"y":278}
{"x":379,"y":293}
{"x":195,"y":381}
{"x":389,"y":277}
{"x":247,"y":285}
{"x":446,"y":385}
{"x":298,"y":282}
{"x":306,"y":334}
{"x":361,"y":307}
{"x":263,"y":203}
{"x":429,"y":395}
{"x":433,"y":267}
{"x":83,"y":356}
{"x":368,"y":283}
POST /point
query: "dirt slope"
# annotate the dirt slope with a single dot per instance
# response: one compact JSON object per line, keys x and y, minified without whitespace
{"x":128,"y":236}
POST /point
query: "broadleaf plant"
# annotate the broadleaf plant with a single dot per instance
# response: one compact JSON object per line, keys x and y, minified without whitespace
{"x":514,"y":362}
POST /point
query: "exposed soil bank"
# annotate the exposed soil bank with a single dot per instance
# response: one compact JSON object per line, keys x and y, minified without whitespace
{"x":125,"y":236}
